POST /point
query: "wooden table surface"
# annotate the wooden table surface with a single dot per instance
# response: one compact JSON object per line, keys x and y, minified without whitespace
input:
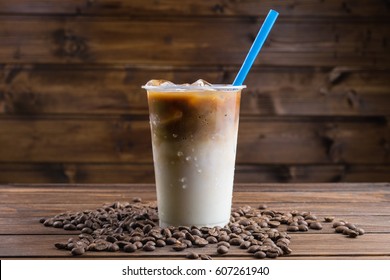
{"x":366,"y":205}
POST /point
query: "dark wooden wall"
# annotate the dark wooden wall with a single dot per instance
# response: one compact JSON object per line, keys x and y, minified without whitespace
{"x":317,"y":105}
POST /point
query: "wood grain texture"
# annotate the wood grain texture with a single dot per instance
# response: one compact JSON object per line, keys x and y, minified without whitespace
{"x":144,"y":173}
{"x":367,"y":205}
{"x":93,"y":90}
{"x":348,"y":8}
{"x":113,"y":140}
{"x":191,"y":42}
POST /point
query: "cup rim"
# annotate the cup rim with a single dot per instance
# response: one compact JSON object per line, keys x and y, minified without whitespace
{"x":178,"y":88}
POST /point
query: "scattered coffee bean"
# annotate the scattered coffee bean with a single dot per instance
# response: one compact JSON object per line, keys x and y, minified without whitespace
{"x":42,"y":220}
{"x":352,"y":233}
{"x":315,"y":225}
{"x":350,"y":226}
{"x":259,"y":255}
{"x":211,"y":240}
{"x":223,"y":243}
{"x":337,"y":224}
{"x":235,"y":241}
{"x":137,"y":199}
{"x":292,"y":228}
{"x":61,"y":245}
{"x":78,"y":251}
{"x":132,"y":226}
{"x":253,"y":249}
{"x":149,"y":247}
{"x":222,"y":249}
{"x":171,"y":241}
{"x":69,"y":227}
{"x":113,"y":247}
{"x":262,"y":206}
{"x":179,"y":246}
{"x":192,"y":255}
{"x":130,"y":248}
{"x":328,"y":219}
{"x":274,"y":224}
{"x":205,"y":257}
{"x":160,"y":243}
{"x":303,"y":228}
{"x":360,"y":231}
{"x":245,"y":245}
{"x":340,"y":229}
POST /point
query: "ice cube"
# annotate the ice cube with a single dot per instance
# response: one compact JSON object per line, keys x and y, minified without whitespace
{"x":201,"y":83}
{"x":159,"y":83}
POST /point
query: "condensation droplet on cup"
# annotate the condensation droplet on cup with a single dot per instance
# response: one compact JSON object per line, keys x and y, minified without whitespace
{"x":180,"y":154}
{"x":174,"y":135}
{"x":183,"y":179}
{"x":184,"y":186}
{"x":199,"y":170}
{"x":188,"y":158}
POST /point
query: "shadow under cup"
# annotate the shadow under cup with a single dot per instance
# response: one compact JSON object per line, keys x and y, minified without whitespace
{"x":194,"y":138}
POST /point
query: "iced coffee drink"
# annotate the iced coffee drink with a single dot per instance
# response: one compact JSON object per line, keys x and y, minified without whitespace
{"x":194,"y":137}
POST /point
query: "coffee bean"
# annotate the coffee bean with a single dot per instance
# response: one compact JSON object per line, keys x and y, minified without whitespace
{"x":222,"y":250}
{"x":259,"y":255}
{"x":352,"y":233}
{"x":48,"y":222}
{"x":87,"y":230}
{"x":311,"y":217}
{"x":223,"y":237}
{"x":262,"y":206}
{"x":274,"y":224}
{"x":360,"y":231}
{"x":137,"y":199}
{"x":351,"y":226}
{"x":245,"y":245}
{"x":292,"y":228}
{"x":337,"y":224}
{"x":179,"y":246}
{"x":328,"y":219}
{"x":101,"y":246}
{"x":211,"y":240}
{"x":113,"y":247}
{"x":303,"y":228}
{"x":340,"y":229}
{"x":58,"y":224}
{"x":235,"y":241}
{"x":205,"y":257}
{"x":272,"y":254}
{"x":130,"y":248}
{"x":111,"y":239}
{"x":315,"y":225}
{"x":160,"y":243}
{"x":61,"y":245}
{"x":171,"y":241}
{"x":187,"y":242}
{"x":190,"y":237}
{"x":346,"y":231}
{"x":223,"y":243}
{"x":253,"y":249}
{"x":69,"y":227}
{"x":42,"y":220}
{"x":138,"y":244}
{"x":200,"y":242}
{"x":192,"y":255}
{"x":285,"y":249}
{"x":149,"y":247}
{"x":78,"y":251}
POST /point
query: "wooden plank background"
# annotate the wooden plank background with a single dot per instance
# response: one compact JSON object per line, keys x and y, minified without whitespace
{"x":316,"y":108}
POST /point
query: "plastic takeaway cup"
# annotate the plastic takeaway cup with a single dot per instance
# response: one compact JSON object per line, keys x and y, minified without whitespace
{"x":194,"y":138}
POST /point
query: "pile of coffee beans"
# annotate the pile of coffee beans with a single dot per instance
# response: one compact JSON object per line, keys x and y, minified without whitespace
{"x":129,"y":227}
{"x":348,"y":229}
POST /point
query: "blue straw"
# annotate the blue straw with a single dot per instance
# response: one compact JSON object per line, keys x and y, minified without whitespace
{"x":256,"y":47}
